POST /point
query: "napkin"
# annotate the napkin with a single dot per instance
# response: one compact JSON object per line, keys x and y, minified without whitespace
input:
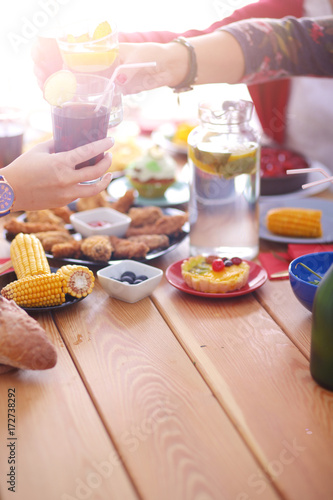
{"x":295,"y":251}
{"x":277,"y":262}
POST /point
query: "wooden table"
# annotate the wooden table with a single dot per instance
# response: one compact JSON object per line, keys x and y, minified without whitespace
{"x":175,"y":397}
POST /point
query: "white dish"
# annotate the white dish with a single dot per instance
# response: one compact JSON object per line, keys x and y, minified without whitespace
{"x":176,"y":194}
{"x":109,"y":279}
{"x":327,"y":219}
{"x":108,"y":221}
{"x":303,"y":193}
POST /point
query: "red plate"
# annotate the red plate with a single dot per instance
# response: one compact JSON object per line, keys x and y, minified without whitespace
{"x":257,"y":278}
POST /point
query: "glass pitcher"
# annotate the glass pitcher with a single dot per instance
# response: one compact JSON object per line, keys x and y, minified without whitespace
{"x":224,"y":160}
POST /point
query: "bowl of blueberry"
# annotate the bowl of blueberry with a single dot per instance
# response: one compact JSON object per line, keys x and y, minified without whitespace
{"x":129,"y":280}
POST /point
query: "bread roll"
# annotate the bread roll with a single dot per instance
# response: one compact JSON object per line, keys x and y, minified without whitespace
{"x":23,"y":342}
{"x":6,"y":368}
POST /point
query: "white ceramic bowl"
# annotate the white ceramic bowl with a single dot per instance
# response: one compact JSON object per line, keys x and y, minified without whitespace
{"x":109,"y":279}
{"x":114,"y":223}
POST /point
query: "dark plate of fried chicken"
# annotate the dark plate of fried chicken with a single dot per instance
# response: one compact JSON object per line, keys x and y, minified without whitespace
{"x":153,"y":232}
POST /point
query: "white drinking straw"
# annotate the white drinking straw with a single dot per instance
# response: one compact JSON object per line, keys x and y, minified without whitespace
{"x":317,"y":183}
{"x":315,"y":169}
{"x":115,"y":74}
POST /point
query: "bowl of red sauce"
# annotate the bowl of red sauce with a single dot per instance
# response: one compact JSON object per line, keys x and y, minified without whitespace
{"x":274,"y":164}
{"x":100,"y":221}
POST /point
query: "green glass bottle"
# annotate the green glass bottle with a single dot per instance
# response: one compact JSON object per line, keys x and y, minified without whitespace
{"x":321,"y":357}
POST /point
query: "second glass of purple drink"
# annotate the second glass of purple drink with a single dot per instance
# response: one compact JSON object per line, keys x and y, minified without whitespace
{"x":12,"y":125}
{"x":84,"y":117}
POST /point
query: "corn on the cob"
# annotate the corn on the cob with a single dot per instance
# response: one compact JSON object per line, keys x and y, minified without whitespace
{"x":295,"y":222}
{"x":28,"y":256}
{"x":36,"y":291}
{"x":78,"y":280}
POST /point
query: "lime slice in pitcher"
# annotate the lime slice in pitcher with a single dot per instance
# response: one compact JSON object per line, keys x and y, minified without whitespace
{"x":59,"y":87}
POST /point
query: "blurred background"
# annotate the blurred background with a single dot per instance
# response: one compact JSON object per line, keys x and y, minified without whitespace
{"x":22,"y":21}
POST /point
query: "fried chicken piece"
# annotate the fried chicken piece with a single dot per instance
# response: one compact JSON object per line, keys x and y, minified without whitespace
{"x":144,"y":215}
{"x":168,"y":224}
{"x":50,"y":238}
{"x":100,"y":200}
{"x":124,"y":203}
{"x":63,"y":212}
{"x":67,"y":250}
{"x":126,"y":249}
{"x":43,"y":216}
{"x":97,"y":201}
{"x":153,"y":241}
{"x":15,"y":226}
{"x":97,"y":248}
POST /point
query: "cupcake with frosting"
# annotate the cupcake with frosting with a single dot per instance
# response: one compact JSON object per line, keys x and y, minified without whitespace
{"x":153,"y":173}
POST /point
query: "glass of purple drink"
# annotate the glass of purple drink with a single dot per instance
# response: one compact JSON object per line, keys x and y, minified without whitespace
{"x":84,"y":117}
{"x":11,"y":134}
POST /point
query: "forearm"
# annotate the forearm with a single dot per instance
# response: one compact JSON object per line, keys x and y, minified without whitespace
{"x":263,"y":50}
{"x":219,"y":59}
{"x":249,"y":51}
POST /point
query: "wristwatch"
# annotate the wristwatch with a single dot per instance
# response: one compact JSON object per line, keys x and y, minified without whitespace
{"x":7,"y":197}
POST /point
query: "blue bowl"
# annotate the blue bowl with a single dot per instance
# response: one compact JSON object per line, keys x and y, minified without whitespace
{"x":300,"y":277}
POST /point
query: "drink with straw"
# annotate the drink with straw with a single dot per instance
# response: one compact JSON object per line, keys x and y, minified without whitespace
{"x":89,"y":50}
{"x":92,"y":49}
{"x":81,"y":105}
{"x":80,"y":108}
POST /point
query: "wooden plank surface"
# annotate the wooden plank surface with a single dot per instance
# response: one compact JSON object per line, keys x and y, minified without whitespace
{"x":263,"y":382}
{"x":202,"y":399}
{"x":62,"y":451}
{"x":170,"y":430}
{"x":295,"y":320}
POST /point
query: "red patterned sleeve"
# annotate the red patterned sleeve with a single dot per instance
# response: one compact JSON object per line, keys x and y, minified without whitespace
{"x":275,"y":49}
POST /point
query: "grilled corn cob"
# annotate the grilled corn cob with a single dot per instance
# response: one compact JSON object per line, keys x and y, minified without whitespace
{"x":28,"y":256}
{"x":296,"y":222}
{"x":36,"y":291}
{"x":78,"y":280}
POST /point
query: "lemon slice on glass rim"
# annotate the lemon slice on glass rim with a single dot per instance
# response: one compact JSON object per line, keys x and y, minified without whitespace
{"x":102,"y":30}
{"x":60,"y":87}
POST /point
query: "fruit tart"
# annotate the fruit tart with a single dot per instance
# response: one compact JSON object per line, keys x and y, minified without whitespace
{"x":214,"y":274}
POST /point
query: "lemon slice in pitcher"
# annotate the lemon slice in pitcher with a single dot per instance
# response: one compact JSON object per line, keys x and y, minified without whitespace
{"x":226,"y":164}
{"x":59,"y":88}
